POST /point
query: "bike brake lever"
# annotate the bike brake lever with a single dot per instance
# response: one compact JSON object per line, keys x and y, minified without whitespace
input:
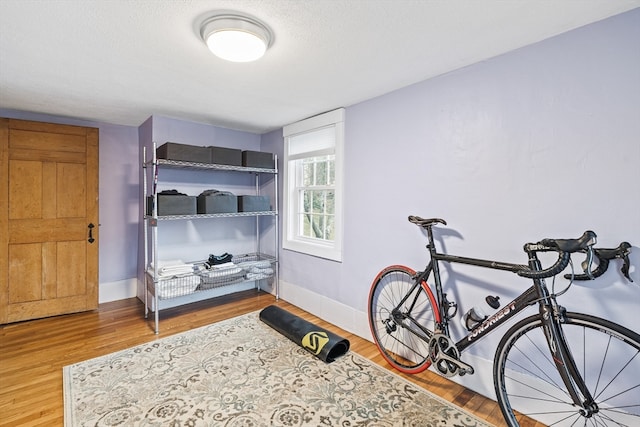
{"x":586,"y":264}
{"x":625,"y":267}
{"x":625,"y":250}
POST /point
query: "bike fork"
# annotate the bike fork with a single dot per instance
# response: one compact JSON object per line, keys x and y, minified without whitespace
{"x":553,"y":317}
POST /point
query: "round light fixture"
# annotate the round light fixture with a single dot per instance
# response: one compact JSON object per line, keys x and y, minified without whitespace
{"x":236,"y":38}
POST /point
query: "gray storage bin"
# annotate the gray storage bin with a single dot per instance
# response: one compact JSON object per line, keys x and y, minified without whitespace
{"x":222,"y":203}
{"x":183,"y":152}
{"x":253,"y":203}
{"x":173,"y":205}
{"x":225,"y":156}
{"x":257,"y":159}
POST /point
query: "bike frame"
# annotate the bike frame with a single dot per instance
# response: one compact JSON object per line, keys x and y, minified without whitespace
{"x":526,"y":299}
{"x":551,"y":314}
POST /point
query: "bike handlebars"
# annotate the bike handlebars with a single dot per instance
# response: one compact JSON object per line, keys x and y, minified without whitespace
{"x":584,"y":242}
{"x":564,"y":247}
{"x":560,"y":264}
{"x":604,"y":256}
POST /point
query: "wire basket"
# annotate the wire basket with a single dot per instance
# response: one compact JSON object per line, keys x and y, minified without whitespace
{"x":177,"y":286}
{"x":244,"y":268}
{"x":247,"y":267}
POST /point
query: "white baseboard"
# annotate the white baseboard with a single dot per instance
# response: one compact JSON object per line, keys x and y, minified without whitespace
{"x":114,"y":291}
{"x":332,"y":311}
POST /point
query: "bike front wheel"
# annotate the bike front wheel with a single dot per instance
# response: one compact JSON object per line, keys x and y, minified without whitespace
{"x":402,"y":317}
{"x":606,"y":355}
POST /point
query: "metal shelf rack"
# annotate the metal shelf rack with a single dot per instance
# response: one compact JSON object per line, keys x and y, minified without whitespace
{"x":252,"y":267}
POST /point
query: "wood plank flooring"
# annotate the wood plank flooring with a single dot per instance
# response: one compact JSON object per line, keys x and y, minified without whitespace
{"x":33,"y":353}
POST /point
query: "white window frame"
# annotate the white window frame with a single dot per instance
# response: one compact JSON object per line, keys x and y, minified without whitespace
{"x":290,"y":239}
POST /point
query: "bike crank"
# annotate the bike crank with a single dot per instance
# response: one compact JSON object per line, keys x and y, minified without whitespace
{"x":445,"y":357}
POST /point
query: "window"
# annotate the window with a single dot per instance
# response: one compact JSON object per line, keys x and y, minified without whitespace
{"x":313,"y":185}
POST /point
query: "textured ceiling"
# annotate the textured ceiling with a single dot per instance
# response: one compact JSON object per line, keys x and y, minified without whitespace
{"x":122,"y":61}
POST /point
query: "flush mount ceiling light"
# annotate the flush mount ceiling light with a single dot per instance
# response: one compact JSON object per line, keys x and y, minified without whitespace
{"x":235,"y":37}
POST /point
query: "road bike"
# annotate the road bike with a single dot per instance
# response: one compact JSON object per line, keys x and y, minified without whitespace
{"x":555,"y":366}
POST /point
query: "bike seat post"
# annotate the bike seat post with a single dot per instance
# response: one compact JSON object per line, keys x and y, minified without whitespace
{"x":430,"y":246}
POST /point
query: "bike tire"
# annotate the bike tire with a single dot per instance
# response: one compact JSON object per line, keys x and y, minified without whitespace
{"x":607,"y":356}
{"x":402,"y":333}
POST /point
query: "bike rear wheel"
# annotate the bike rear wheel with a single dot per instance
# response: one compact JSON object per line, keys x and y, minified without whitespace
{"x":607,"y":356}
{"x":402,"y":318}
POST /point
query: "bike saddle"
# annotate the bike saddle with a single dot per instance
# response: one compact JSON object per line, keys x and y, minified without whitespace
{"x":424,"y":223}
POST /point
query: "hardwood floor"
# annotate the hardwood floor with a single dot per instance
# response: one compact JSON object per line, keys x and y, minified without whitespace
{"x":33,"y":353}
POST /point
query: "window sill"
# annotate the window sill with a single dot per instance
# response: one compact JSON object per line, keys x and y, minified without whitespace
{"x":316,"y":250}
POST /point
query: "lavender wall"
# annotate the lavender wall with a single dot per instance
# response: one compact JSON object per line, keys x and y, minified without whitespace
{"x":540,"y":142}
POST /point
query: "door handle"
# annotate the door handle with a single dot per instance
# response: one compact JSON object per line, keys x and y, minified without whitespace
{"x":91,"y":239}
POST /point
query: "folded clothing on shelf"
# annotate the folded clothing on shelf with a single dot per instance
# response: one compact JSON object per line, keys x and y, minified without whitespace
{"x":173,"y":268}
{"x":223,"y":267}
{"x":175,"y":278}
{"x":257,"y":270}
{"x":223,"y":270}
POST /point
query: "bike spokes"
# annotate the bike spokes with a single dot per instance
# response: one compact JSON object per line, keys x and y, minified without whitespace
{"x":402,"y":318}
{"x":607,"y":357}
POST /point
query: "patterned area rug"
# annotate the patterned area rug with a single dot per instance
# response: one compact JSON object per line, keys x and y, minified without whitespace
{"x":242,"y":373}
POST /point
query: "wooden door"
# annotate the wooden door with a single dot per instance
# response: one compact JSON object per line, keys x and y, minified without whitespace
{"x":48,"y":211}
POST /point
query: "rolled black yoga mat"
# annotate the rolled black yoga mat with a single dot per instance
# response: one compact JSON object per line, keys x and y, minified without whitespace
{"x":325,"y":345}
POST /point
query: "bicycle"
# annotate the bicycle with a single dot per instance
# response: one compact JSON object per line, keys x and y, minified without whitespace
{"x":558,"y":367}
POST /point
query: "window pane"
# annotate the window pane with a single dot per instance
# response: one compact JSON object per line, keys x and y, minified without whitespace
{"x":316,"y":214}
{"x":331,"y":176}
{"x":330,"y":202}
{"x":305,"y":225}
{"x":307,"y":201}
{"x":330,"y":228}
{"x":307,"y":172}
{"x":321,"y":172}
{"x":321,"y":232}
{"x":318,"y":202}
{"x":317,"y":228}
{"x":317,"y":171}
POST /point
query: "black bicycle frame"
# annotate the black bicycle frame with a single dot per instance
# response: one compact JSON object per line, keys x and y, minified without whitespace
{"x":528,"y":298}
{"x":537,"y":293}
